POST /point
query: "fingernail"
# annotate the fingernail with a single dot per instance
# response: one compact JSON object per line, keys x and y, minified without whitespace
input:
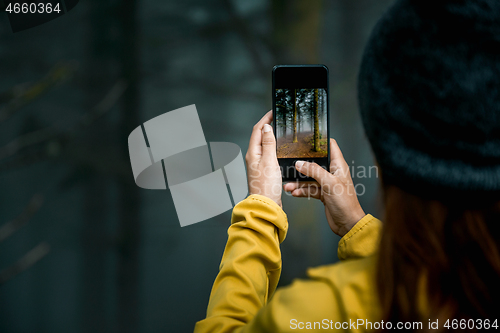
{"x":299,"y":164}
{"x":267,"y":128}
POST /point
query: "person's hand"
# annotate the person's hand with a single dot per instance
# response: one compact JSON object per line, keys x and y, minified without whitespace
{"x":335,"y":189}
{"x":264,"y":174}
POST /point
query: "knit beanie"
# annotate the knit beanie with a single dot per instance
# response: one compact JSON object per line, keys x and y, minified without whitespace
{"x":429,"y":95}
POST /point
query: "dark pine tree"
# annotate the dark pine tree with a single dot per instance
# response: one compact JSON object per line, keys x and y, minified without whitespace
{"x":294,"y":98}
{"x":316,"y":121}
{"x":129,"y":228}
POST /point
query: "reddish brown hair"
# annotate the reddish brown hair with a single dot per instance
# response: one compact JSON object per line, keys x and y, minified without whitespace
{"x":451,"y":245}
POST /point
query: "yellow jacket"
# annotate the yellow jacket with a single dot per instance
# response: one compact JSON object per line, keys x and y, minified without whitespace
{"x":335,"y":296}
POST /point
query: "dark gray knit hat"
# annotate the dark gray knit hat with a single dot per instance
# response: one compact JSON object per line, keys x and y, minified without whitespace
{"x":429,"y":94}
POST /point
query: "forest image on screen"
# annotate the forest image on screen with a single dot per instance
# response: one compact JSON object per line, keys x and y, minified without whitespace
{"x":301,"y":123}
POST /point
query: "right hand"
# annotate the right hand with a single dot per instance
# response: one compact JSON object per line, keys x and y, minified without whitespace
{"x":335,"y":189}
{"x":263,"y":170}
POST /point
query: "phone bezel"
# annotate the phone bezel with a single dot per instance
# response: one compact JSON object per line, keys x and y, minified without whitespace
{"x":301,"y":77}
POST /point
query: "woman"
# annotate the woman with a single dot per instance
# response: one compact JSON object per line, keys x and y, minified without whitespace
{"x":430,"y":102}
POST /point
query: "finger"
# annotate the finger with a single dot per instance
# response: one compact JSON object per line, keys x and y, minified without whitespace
{"x":255,"y":145}
{"x":268,"y":144}
{"x":313,"y":170}
{"x":289,"y":187}
{"x":307,"y":192}
{"x":337,"y":160}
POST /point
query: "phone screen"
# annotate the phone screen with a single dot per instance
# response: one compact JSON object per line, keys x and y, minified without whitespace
{"x":301,"y":123}
{"x":301,"y":116}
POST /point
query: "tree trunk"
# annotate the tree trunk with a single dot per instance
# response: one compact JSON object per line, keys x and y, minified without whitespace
{"x":294,"y":115}
{"x":284,"y":122}
{"x":94,"y":255}
{"x":311,"y":120}
{"x":99,"y":77}
{"x":324,"y":117}
{"x":316,"y":122}
{"x":296,"y":30}
{"x":129,"y":231}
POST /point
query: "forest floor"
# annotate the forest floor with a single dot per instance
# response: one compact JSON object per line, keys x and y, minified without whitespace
{"x":303,"y":148}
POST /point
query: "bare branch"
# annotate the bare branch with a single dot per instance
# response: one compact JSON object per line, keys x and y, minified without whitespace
{"x":49,"y":133}
{"x":217,"y":28}
{"x":10,"y":227}
{"x":28,"y":260}
{"x":27,"y":140}
{"x":25,"y":94}
{"x":225,"y":90}
{"x":248,"y":38}
{"x":24,"y":159}
{"x":103,"y":106}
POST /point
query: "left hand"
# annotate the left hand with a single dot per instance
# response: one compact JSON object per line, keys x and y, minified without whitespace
{"x":264,"y":174}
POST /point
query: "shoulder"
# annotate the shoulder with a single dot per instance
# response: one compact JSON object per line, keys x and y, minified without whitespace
{"x":358,"y":272}
{"x":332,"y":293}
{"x":352,"y":284}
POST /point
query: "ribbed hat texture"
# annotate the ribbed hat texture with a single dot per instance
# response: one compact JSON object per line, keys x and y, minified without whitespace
{"x":429,"y":95}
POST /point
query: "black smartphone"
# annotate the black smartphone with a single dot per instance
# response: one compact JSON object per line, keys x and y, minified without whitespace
{"x":301,"y":117}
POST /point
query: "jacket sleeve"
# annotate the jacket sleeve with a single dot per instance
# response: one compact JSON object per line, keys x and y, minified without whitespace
{"x":362,"y":240}
{"x":250,"y":267}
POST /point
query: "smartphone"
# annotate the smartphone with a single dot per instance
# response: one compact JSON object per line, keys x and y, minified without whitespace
{"x":301,"y":117}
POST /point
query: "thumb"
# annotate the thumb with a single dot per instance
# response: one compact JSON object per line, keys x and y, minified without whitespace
{"x":268,"y":143}
{"x":313,"y":170}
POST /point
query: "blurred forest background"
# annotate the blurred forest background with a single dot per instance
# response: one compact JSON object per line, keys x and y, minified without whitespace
{"x":82,"y":249}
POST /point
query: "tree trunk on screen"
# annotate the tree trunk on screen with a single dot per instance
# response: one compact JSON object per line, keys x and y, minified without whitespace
{"x":294,"y":115}
{"x":316,"y":121}
{"x":311,"y":120}
{"x":284,"y":122}
{"x":322,"y":114}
